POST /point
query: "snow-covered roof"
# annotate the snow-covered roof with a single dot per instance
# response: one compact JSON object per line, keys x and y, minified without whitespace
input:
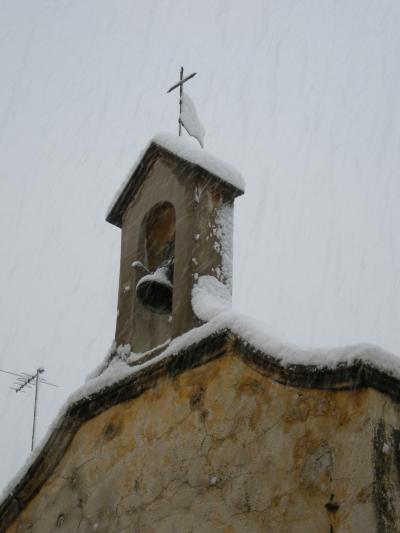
{"x":189,"y":152}
{"x":355,"y":366}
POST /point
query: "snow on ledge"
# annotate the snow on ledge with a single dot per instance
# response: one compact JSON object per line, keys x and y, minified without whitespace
{"x":186,"y":149}
{"x":211,"y":303}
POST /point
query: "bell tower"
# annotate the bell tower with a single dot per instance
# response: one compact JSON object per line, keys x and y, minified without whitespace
{"x":175,"y":211}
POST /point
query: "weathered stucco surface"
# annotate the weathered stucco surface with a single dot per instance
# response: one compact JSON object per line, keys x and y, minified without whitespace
{"x":224,"y":448}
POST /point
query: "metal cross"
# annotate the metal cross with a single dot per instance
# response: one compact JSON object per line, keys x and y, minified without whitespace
{"x":180,"y":83}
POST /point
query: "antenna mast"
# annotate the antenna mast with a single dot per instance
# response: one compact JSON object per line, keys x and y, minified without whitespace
{"x":180,"y":102}
{"x":25,"y":380}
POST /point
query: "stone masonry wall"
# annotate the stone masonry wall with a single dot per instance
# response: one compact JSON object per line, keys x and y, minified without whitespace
{"x":223,"y":448}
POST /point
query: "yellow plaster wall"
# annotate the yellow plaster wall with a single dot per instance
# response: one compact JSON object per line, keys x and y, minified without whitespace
{"x":220,"y":448}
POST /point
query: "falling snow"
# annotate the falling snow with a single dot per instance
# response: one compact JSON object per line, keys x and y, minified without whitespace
{"x":302,"y":97}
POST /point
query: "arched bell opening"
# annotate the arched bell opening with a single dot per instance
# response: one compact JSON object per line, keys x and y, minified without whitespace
{"x":154,"y":290}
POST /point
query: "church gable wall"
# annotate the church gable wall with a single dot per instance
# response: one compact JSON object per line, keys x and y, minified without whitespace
{"x":224,"y":448}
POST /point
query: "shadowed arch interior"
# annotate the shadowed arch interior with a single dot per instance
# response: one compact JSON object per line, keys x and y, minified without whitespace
{"x":155,"y":289}
{"x":159,"y":235}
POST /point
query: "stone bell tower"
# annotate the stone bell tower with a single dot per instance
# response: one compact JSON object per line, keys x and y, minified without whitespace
{"x":175,"y":211}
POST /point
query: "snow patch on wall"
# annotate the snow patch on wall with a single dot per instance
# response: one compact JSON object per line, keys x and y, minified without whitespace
{"x":223,"y":231}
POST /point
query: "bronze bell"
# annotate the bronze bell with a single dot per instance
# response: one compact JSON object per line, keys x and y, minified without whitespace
{"x":154,"y":290}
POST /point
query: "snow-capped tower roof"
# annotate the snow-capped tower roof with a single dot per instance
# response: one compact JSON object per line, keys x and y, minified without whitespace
{"x":182,"y":149}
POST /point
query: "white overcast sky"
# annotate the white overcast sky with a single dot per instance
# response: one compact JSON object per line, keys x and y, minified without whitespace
{"x":301,"y":96}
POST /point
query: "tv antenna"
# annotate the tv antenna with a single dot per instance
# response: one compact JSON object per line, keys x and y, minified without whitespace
{"x":26,"y":381}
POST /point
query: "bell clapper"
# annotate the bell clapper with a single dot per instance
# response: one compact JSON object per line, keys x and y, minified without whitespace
{"x":139,"y":264}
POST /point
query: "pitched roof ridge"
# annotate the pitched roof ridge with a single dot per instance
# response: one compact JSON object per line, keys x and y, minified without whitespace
{"x":184,"y":150}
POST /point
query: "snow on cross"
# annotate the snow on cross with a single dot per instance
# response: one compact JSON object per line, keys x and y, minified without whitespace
{"x":188,"y":117}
